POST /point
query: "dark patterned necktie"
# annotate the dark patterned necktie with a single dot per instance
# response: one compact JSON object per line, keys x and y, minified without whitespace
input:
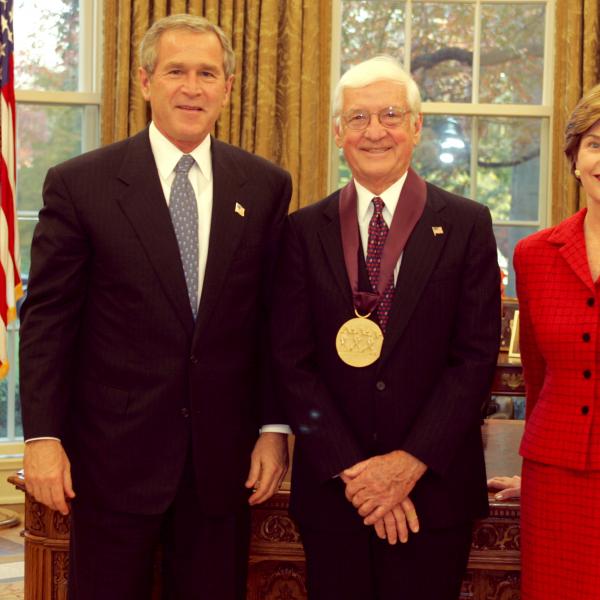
{"x":184,"y":214}
{"x":378,"y":231}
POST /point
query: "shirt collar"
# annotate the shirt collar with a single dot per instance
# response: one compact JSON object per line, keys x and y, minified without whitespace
{"x":389,"y":196}
{"x":167,"y":155}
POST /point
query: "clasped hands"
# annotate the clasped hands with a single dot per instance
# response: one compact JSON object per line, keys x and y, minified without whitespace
{"x":379,"y":487}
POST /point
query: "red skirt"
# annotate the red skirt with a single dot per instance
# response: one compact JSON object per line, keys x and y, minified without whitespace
{"x":560,"y":533}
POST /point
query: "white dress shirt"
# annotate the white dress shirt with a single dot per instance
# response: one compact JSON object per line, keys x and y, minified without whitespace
{"x":365,"y":209}
{"x":166,"y":156}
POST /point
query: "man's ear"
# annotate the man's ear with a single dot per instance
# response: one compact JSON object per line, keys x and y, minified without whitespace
{"x":144,"y":78}
{"x":228,"y":88}
{"x":417,"y":128}
{"x":337,"y":132}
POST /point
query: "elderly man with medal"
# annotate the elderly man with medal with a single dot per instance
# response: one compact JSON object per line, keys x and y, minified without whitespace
{"x":385,"y":334}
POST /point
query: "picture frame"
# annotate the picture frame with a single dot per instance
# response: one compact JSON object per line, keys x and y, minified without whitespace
{"x":509,"y":305}
{"x":514,"y":350}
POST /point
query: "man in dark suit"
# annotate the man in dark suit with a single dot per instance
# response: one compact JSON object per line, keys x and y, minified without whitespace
{"x":386,"y":329}
{"x":143,"y":364}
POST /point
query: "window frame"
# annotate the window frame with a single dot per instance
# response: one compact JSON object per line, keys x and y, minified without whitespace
{"x":90,"y":72}
{"x":543,"y":111}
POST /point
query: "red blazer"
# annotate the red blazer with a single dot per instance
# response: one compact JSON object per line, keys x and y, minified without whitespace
{"x":559,"y":332}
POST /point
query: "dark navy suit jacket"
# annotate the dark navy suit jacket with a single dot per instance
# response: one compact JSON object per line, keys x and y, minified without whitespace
{"x":112,"y":362}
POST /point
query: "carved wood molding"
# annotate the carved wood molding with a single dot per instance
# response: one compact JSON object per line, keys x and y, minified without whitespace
{"x":61,"y":524}
{"x":60,"y":573}
{"x":497,"y":535}
{"x":276,"y":528}
{"x":513,"y":381}
{"x":273,"y":580}
{"x":34,"y":517}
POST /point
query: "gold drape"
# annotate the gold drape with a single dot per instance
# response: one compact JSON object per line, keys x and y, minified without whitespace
{"x":280,"y":100}
{"x":577,"y":69}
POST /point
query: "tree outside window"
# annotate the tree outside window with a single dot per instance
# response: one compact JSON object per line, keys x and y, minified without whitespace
{"x":484,"y":75}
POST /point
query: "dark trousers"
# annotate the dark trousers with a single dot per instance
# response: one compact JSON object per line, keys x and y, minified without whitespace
{"x":113,"y":555}
{"x":360,"y":566}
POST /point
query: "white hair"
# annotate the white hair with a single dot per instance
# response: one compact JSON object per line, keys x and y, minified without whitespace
{"x":379,"y":68}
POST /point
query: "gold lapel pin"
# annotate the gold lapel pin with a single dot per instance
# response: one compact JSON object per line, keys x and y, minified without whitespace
{"x":239,"y":209}
{"x":437,"y":230}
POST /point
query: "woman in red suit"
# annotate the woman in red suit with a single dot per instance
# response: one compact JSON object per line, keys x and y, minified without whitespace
{"x":558,"y":285}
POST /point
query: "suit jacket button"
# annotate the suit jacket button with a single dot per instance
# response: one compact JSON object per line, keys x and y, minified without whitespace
{"x":587,"y":373}
{"x":590,"y":301}
{"x":185,"y":413}
{"x":585,"y":409}
{"x":380,"y":385}
{"x":586,"y":337}
{"x":193,"y":359}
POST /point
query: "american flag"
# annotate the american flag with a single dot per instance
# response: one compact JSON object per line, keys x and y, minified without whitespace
{"x":10,"y":281}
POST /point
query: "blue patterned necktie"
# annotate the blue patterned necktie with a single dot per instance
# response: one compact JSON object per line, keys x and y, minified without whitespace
{"x":184,"y":214}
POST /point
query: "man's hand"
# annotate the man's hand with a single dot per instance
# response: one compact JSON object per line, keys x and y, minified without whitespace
{"x":268,"y":466}
{"x":376,"y":485}
{"x":395,"y":524}
{"x":48,"y":474}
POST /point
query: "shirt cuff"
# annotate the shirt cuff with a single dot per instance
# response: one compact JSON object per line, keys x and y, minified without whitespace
{"x":276,"y":428}
{"x":42,"y":438}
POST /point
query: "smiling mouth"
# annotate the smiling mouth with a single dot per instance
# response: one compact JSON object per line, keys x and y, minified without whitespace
{"x":190,"y":108}
{"x":375,"y":150}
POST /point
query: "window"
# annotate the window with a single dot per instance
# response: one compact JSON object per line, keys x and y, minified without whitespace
{"x":58,"y":101}
{"x":484,"y":69}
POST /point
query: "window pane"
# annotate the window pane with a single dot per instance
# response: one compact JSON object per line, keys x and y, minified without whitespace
{"x":508,"y":167}
{"x":3,"y":406}
{"x":371,"y":28}
{"x":442,"y":51}
{"x":9,"y":390}
{"x":46,"y":136}
{"x":47,"y":45}
{"x":444,"y":153}
{"x":512,"y":53}
{"x":26,"y":227}
{"x":507,"y":238}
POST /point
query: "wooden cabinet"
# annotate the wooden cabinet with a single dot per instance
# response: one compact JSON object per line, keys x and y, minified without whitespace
{"x":508,"y":378}
{"x":276,"y":569}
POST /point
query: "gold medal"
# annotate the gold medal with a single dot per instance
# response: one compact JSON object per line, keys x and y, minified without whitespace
{"x":358,"y":342}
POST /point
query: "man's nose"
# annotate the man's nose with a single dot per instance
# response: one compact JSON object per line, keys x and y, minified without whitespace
{"x":375,"y":130}
{"x":192,"y":84}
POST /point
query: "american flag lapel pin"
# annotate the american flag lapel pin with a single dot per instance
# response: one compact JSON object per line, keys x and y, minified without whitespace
{"x":239,"y":209}
{"x":437,"y":231}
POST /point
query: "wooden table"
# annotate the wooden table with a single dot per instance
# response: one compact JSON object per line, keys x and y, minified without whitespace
{"x":276,"y":569}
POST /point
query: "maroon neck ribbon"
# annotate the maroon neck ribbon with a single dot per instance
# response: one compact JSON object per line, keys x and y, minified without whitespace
{"x":408,"y":211}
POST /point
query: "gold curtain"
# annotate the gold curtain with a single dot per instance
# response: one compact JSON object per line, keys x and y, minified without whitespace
{"x":577,"y":69}
{"x":280,"y":100}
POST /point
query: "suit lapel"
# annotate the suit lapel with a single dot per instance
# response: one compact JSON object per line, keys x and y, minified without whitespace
{"x":143,"y":203}
{"x":418,"y":260}
{"x":571,"y":239}
{"x":226,"y":226}
{"x":331,"y":240}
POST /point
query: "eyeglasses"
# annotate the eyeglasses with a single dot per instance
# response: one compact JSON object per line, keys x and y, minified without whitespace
{"x":389,"y":117}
